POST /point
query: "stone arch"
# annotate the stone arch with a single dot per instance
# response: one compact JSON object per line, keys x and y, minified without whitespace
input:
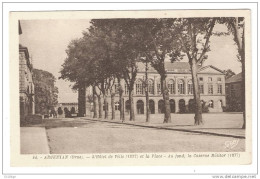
{"x":161,"y":108}
{"x":211,"y":104}
{"x":127,"y":106}
{"x":182,"y":107}
{"x":60,"y":110}
{"x":172,"y":105}
{"x":117,"y":106}
{"x":66,"y":112}
{"x":72,"y":110}
{"x":151,"y":106}
{"x":220,"y":104}
{"x":191,"y":105}
{"x":202,"y":103}
{"x":140,"y":107}
{"x":105,"y":106}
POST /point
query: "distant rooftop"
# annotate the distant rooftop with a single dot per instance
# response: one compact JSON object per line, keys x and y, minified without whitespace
{"x":235,"y":78}
{"x":175,"y":67}
{"x":178,"y":67}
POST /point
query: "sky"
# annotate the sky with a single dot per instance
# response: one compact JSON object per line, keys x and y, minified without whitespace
{"x":47,"y":41}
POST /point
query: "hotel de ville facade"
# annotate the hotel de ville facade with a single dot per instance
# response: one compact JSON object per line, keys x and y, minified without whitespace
{"x":179,"y":83}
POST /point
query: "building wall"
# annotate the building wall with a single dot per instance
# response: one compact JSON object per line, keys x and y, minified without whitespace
{"x":218,"y":99}
{"x":234,"y":96}
{"x":27,"y":105}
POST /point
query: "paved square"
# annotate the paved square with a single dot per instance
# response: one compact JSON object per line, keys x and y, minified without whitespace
{"x":88,"y":136}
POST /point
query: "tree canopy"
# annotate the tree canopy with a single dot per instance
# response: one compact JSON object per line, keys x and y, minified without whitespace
{"x":46,"y":93}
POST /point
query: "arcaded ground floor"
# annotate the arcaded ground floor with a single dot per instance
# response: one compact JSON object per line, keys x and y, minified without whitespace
{"x":178,"y":104}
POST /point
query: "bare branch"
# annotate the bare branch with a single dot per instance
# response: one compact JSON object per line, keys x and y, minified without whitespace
{"x":155,"y":46}
{"x":206,"y":47}
{"x":184,"y":47}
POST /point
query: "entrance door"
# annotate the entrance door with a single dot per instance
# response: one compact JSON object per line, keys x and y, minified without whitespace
{"x":161,"y":108}
{"x":140,"y":107}
{"x":151,"y":106}
{"x":172,"y":105}
{"x":182,"y":106}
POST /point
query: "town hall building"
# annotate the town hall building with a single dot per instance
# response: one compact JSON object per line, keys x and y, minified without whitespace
{"x":179,"y":83}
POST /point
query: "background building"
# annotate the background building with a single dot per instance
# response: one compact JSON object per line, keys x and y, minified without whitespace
{"x":61,"y":108}
{"x":26,"y":85}
{"x":234,"y":93}
{"x":179,"y":83}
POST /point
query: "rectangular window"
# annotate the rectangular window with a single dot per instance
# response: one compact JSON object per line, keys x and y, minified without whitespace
{"x":210,"y":79}
{"x":150,"y":88}
{"x":139,"y":88}
{"x":158,"y":88}
{"x":190,"y":89}
{"x":219,"y":79}
{"x":210,"y":87}
{"x":219,"y":89}
{"x":201,"y":79}
{"x":201,"y":87}
{"x":171,"y":88}
{"x":181,"y":88}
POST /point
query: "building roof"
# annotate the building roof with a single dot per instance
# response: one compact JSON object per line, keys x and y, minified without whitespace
{"x":19,"y":28}
{"x":235,"y":78}
{"x":181,"y":67}
{"x":175,"y":67}
{"x":25,"y":50}
{"x":27,"y":55}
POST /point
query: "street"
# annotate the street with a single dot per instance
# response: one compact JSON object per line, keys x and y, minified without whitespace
{"x":88,"y":136}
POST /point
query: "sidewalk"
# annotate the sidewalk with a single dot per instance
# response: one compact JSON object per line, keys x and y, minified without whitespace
{"x":210,"y":128}
{"x":34,"y":140}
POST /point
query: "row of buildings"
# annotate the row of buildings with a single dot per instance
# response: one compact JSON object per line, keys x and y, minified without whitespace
{"x":216,"y":92}
{"x":26,"y":84}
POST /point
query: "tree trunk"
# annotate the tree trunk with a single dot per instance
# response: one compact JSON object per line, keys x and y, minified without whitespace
{"x":165,"y":92}
{"x":100,"y":108}
{"x":95,"y":102}
{"x":243,"y":94}
{"x":195,"y":82}
{"x":105,"y":105}
{"x":121,"y":101}
{"x":113,"y":105}
{"x":243,"y":79}
{"x":122,"y":108}
{"x":147,"y":106}
{"x":131,"y":100}
{"x":82,"y":99}
{"x":147,"y":94}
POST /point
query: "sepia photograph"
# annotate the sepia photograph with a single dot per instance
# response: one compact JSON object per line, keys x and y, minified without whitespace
{"x":149,"y":87}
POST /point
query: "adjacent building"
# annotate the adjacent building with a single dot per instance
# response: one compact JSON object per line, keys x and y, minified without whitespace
{"x":26,"y":85}
{"x":69,"y":106}
{"x":234,"y":93}
{"x":179,"y":83}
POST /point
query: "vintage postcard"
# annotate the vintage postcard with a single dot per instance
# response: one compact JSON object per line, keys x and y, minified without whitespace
{"x":130,"y":88}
